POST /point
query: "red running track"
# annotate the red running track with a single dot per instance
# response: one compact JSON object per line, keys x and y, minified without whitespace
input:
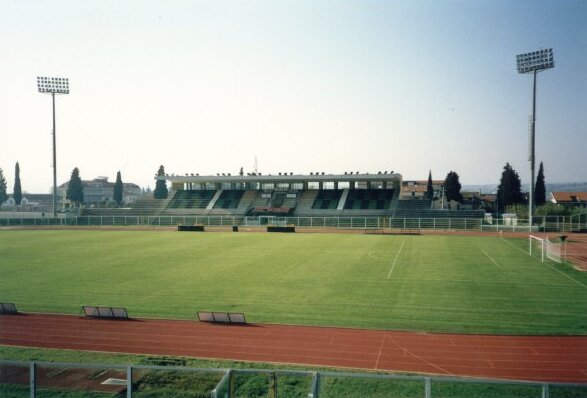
{"x":540,"y":358}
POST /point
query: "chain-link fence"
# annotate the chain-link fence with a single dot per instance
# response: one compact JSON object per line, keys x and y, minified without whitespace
{"x":540,"y":224}
{"x":51,"y":379}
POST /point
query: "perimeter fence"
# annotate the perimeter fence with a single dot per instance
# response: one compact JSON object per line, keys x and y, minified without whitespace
{"x":540,"y":224}
{"x":52,"y":379}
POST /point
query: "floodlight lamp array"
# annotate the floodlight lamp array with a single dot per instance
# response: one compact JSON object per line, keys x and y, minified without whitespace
{"x":535,"y":61}
{"x":53,"y":85}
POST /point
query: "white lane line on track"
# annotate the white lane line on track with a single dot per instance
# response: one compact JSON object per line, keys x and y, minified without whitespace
{"x":380,"y":352}
{"x":395,"y":260}
{"x":420,"y":358}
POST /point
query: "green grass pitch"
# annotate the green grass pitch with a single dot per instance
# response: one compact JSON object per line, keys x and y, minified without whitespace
{"x":424,"y":283}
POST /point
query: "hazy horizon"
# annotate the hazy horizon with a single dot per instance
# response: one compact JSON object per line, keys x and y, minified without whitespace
{"x":205,"y":87}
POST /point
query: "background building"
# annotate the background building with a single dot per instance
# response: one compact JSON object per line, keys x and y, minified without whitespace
{"x":578,"y":199}
{"x":100,"y":192}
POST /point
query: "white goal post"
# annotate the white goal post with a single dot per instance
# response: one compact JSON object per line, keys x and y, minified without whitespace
{"x":543,"y":247}
{"x":536,"y":247}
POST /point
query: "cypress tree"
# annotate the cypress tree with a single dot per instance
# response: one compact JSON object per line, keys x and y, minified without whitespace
{"x":117,"y":196}
{"x":430,"y":188}
{"x":540,"y":188}
{"x":161,"y":185}
{"x":3,"y":194}
{"x":17,"y":191}
{"x":75,"y":189}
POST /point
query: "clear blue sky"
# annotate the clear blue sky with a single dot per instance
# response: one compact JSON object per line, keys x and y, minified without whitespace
{"x":334,"y":86}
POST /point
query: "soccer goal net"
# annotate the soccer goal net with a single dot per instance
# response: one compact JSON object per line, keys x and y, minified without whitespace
{"x":553,"y":250}
{"x":543,"y":248}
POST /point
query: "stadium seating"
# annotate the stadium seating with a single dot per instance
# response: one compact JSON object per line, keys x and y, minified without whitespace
{"x":299,"y":203}
{"x":229,"y":199}
{"x":327,"y":199}
{"x":277,"y":199}
{"x":262,"y":199}
{"x":305,"y":200}
{"x":290,"y":202}
{"x":368,"y":199}
{"x":246,"y":202}
{"x":191,"y":199}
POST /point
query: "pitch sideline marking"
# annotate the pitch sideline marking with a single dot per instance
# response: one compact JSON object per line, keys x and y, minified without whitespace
{"x":491,"y":258}
{"x":567,"y":276}
{"x":545,"y":263}
{"x":395,"y":260}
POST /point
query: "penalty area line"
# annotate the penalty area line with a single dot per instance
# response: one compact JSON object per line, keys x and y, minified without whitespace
{"x":491,"y":258}
{"x":395,"y":260}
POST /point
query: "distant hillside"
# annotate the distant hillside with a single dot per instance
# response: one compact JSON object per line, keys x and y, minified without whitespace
{"x":567,"y":187}
{"x":554,"y":187}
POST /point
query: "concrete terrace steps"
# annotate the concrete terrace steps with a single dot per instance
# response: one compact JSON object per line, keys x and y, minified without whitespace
{"x":414,"y":204}
{"x":141,"y":207}
{"x":429,"y":213}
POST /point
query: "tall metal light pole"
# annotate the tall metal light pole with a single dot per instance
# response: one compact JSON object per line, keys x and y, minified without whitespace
{"x":53,"y":85}
{"x":533,"y":63}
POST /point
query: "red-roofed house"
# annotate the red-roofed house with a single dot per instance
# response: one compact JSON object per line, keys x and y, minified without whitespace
{"x":418,"y":189}
{"x":569,"y":198}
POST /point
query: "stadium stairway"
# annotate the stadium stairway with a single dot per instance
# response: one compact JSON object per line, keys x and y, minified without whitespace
{"x":305,"y":201}
{"x":246,"y":201}
{"x":214,"y":199}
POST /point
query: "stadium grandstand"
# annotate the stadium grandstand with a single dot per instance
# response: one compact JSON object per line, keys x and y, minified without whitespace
{"x":297,"y":195}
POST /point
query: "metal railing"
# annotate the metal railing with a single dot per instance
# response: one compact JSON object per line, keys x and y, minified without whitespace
{"x":133,"y":379}
{"x":540,"y":224}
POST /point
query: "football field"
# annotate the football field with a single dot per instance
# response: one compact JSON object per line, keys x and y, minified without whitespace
{"x":422,"y":283}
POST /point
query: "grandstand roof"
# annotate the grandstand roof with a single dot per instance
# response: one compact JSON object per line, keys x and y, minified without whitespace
{"x":282,"y":178}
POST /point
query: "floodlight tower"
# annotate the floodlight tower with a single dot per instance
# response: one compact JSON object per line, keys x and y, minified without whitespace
{"x":533,"y":62}
{"x":53,"y":85}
